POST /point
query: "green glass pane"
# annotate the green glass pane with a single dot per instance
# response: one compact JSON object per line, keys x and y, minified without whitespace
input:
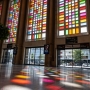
{"x":82,"y":2}
{"x":37,"y":36}
{"x":76,"y":15}
{"x":61,"y":24}
{"x":30,"y":16}
{"x":76,"y":12}
{"x":77,"y":21}
{"x":66,"y":32}
{"x":66,"y":6}
{"x":39,"y":31}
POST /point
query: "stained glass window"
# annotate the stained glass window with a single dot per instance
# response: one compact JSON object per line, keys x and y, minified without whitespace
{"x":37,"y":20}
{"x":12,"y":19}
{"x":72,"y":17}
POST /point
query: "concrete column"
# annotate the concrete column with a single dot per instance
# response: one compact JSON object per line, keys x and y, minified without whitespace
{"x":50,"y":33}
{"x":20,"y":34}
{"x":3,"y":19}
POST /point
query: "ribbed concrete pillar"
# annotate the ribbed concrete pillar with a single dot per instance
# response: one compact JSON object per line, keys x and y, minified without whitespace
{"x":50,"y":34}
{"x":20,"y":34}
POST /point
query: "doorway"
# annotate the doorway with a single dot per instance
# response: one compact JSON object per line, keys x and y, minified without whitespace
{"x":34,"y":56}
{"x":73,"y":57}
{"x":7,"y":56}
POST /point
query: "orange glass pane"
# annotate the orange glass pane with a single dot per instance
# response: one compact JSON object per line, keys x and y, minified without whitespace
{"x":76,"y":3}
{"x":73,"y":7}
{"x":77,"y":30}
{"x":66,"y":23}
{"x":76,"y":6}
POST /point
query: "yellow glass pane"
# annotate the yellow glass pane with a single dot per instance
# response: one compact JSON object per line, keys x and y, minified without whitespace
{"x":84,"y":20}
{"x":44,"y":15}
{"x":77,"y":30}
{"x":44,"y":28}
{"x":70,"y":31}
{"x":73,"y":22}
{"x":69,"y":8}
{"x":39,"y":35}
{"x":61,"y":16}
{"x":73,"y":31}
{"x":44,"y":20}
{"x":30,"y":21}
{"x":70,"y":5}
{"x":61,"y":19}
{"x":77,"y":24}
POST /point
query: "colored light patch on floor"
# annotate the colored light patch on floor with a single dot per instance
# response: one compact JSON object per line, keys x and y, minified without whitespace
{"x":20,"y":81}
{"x":38,"y":73}
{"x":14,"y":87}
{"x":70,"y":84}
{"x":82,"y":81}
{"x":48,"y":80}
{"x":23,"y":77}
{"x":54,"y":75}
{"x":43,"y":76}
{"x":53,"y":87}
{"x":63,"y":79}
{"x":78,"y":76}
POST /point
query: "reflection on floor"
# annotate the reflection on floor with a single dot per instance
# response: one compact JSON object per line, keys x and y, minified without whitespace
{"x":43,"y":78}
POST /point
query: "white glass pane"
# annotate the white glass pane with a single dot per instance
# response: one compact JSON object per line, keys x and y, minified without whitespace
{"x":61,"y":32}
{"x":43,"y":35}
{"x":83,"y":29}
{"x":29,"y":36}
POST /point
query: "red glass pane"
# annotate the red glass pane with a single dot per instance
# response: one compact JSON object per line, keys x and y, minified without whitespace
{"x":82,"y":8}
{"x":83,"y":17}
{"x":61,"y":27}
{"x":61,"y":21}
{"x":66,"y":26}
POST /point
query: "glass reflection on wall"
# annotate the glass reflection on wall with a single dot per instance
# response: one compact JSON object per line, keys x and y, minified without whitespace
{"x":34,"y":56}
{"x":74,"y":57}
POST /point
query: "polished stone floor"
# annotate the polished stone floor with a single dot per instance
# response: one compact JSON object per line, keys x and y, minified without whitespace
{"x":14,"y":77}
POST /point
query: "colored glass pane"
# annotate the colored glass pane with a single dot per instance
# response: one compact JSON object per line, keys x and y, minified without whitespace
{"x":73,"y":15}
{"x":12,"y":19}
{"x":0,"y":8}
{"x":66,"y":32}
{"x":37,"y":16}
{"x":77,"y":30}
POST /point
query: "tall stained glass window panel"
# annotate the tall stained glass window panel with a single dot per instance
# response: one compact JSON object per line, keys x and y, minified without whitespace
{"x":37,"y":20}
{"x":12,"y":19}
{"x":72,"y":17}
